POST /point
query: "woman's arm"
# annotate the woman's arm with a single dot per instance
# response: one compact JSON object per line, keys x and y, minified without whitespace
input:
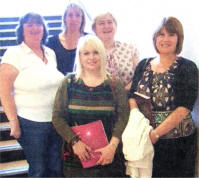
{"x":108,"y":151}
{"x":135,"y":61}
{"x":169,"y":123}
{"x":59,"y":118}
{"x":132,"y":103}
{"x":121,"y":103}
{"x":60,"y":114}
{"x":186,"y":94}
{"x":122,"y":109}
{"x":8,"y":74}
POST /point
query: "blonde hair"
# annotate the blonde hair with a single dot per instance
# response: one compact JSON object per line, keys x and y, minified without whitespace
{"x":101,"y":16}
{"x":172,"y":25}
{"x":97,"y":44}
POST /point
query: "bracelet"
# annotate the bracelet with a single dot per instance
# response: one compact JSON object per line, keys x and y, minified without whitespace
{"x":113,"y":144}
{"x":74,"y":140}
{"x":156,"y":135}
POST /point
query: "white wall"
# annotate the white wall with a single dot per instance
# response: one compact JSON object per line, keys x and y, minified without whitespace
{"x":137,"y":19}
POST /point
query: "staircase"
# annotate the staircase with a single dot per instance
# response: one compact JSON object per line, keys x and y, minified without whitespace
{"x":12,"y":159}
{"x":8,"y":29}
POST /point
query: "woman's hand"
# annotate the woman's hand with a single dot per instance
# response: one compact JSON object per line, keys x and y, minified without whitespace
{"x":153,"y":136}
{"x":107,"y":154}
{"x":15,"y":128}
{"x":82,"y":150}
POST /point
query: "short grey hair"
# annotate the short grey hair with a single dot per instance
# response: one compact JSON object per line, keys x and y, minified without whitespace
{"x":101,"y":16}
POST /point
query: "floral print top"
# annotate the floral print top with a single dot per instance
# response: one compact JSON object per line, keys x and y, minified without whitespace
{"x":120,"y":61}
{"x":158,"y":86}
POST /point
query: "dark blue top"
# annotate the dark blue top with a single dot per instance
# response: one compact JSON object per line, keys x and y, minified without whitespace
{"x":65,"y":58}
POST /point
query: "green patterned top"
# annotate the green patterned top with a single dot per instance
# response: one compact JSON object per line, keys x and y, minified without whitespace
{"x":77,"y":104}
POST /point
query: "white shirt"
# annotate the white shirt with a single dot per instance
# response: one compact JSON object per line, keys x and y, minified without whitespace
{"x":36,"y":84}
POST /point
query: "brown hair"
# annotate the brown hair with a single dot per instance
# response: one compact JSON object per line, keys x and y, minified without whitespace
{"x":172,"y":25}
{"x":75,"y":6}
{"x":31,"y":16}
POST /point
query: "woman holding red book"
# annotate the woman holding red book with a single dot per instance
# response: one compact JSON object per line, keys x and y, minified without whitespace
{"x":89,"y":95}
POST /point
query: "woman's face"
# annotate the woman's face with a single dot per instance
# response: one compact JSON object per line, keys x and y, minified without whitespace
{"x":105,"y":28}
{"x":73,"y":19}
{"x":166,"y":42}
{"x":33,"y":32}
{"x":90,"y":58}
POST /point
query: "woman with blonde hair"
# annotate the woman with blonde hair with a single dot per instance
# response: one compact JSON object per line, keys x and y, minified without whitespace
{"x":87,"y":96}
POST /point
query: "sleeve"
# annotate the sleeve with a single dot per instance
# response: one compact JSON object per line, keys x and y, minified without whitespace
{"x":186,"y":85}
{"x":136,"y":77}
{"x":12,"y":57}
{"x":59,"y":115}
{"x":122,"y":108}
{"x":134,"y":51}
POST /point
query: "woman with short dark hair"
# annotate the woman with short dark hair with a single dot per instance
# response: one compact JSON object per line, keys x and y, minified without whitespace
{"x":29,"y":80}
{"x":171,"y":82}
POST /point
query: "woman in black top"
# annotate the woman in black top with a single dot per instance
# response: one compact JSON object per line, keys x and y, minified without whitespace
{"x":65,"y":43}
{"x":172,"y":84}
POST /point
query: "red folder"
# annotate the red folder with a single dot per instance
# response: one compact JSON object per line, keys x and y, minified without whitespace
{"x":94,"y":136}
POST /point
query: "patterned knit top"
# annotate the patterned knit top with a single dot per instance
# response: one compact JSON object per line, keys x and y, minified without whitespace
{"x":121,"y":61}
{"x":77,"y":104}
{"x":88,"y":104}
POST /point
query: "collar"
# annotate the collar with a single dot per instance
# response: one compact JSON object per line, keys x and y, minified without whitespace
{"x":27,"y":49}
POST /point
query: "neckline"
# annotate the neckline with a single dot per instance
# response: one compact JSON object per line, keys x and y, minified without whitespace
{"x":91,"y":88}
{"x":58,"y":37}
{"x":166,"y":70}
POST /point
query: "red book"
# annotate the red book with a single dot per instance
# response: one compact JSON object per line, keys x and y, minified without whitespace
{"x":92,"y":134}
{"x":145,"y":106}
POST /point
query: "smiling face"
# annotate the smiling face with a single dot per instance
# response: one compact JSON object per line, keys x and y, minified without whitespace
{"x":33,"y":32}
{"x":105,"y":28}
{"x":90,"y":58}
{"x":73,"y":19}
{"x":171,"y":30}
{"x":166,"y":42}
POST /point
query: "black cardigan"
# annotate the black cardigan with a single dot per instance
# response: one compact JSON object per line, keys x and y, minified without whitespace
{"x":185,"y":84}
